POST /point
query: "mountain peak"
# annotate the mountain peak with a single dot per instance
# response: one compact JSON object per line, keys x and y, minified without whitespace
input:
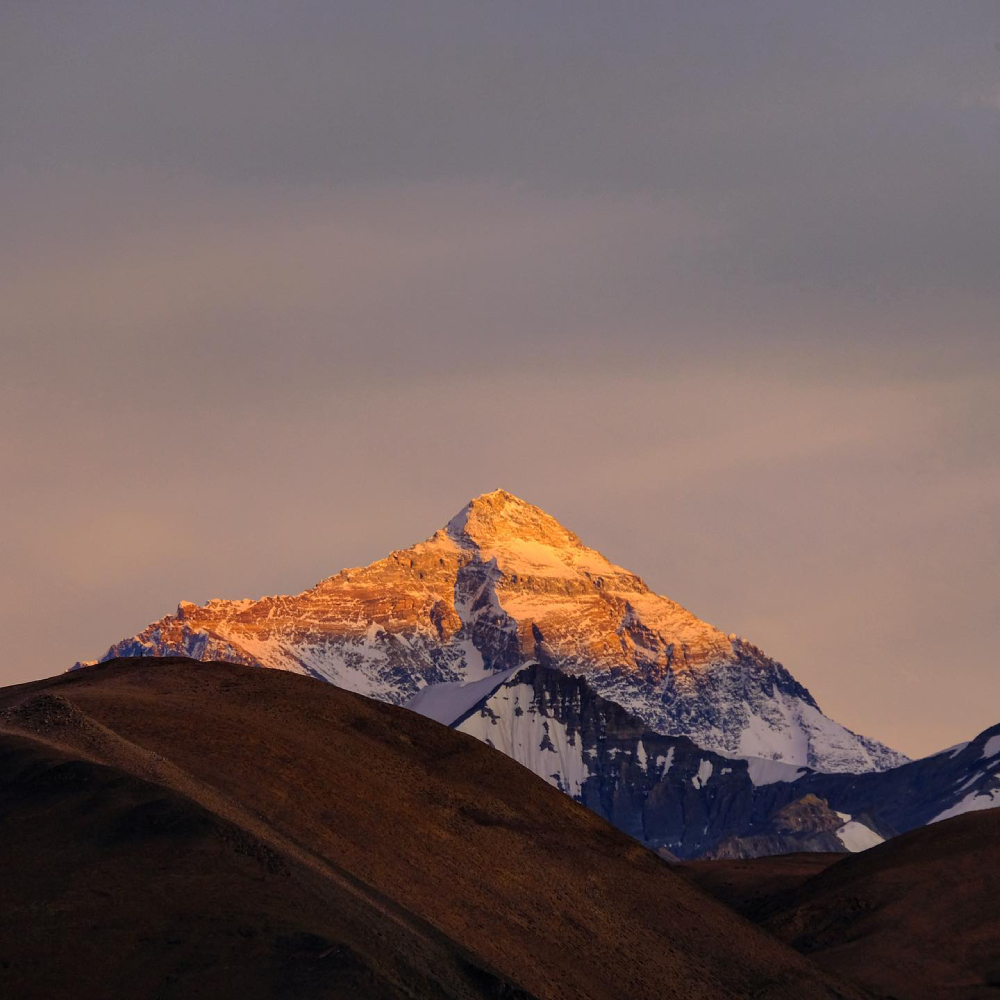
{"x":494,"y":518}
{"x":502,"y":585}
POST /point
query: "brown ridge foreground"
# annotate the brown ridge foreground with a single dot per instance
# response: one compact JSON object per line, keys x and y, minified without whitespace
{"x":187,"y":829}
{"x":916,"y":918}
{"x":747,"y":885}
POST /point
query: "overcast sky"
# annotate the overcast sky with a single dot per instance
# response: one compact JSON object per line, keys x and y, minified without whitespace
{"x":715,"y":283}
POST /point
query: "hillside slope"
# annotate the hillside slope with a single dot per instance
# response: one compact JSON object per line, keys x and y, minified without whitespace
{"x":252,"y":833}
{"x":916,"y":918}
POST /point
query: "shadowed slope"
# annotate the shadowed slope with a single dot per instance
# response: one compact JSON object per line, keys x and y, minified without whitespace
{"x":117,"y":887}
{"x":327,"y":827}
{"x":916,"y":918}
{"x":747,"y":885}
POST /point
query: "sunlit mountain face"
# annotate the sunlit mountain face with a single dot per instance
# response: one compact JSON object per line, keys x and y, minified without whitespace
{"x":501,"y":586}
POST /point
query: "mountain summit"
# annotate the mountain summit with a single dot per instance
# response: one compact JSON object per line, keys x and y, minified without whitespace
{"x":496,"y":518}
{"x":504,"y":584}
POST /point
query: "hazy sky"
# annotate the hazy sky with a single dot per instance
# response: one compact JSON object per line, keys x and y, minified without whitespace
{"x":715,"y":283}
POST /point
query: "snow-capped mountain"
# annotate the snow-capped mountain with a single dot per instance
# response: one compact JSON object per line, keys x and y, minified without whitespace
{"x":961,"y":779}
{"x":502,"y":585}
{"x":663,"y":790}
{"x":676,"y":797}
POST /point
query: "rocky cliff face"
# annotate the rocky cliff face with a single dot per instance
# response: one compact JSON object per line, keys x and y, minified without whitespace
{"x":663,"y":790}
{"x":503,"y":585}
{"x":961,"y":779}
{"x":806,"y":825}
{"x":678,"y":798}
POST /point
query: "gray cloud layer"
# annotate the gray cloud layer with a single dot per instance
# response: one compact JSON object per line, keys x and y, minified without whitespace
{"x":715,"y":283}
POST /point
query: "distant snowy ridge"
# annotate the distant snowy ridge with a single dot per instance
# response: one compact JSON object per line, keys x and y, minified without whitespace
{"x":502,"y":585}
{"x":664,"y":790}
{"x":449,"y":701}
{"x":856,"y":836}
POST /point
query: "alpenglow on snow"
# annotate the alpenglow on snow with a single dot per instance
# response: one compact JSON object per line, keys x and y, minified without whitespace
{"x":503,"y":585}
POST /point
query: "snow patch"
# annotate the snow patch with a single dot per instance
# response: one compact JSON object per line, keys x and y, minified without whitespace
{"x":511,"y":721}
{"x":449,"y":701}
{"x":704,"y":773}
{"x":973,"y":802}
{"x":768,"y":772}
{"x":665,"y":762}
{"x":856,"y":836}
